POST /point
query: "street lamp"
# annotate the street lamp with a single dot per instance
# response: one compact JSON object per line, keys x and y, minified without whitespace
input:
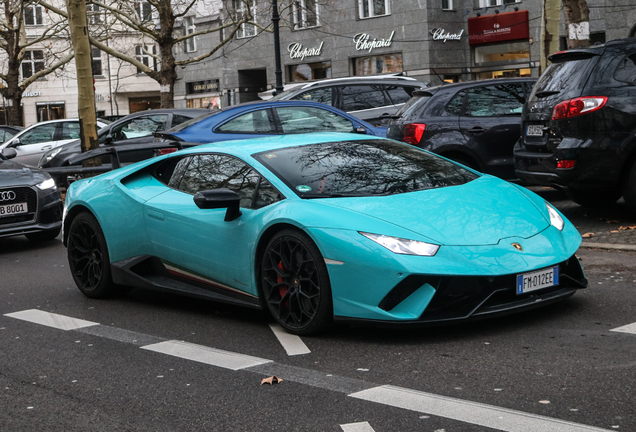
{"x":278,"y":72}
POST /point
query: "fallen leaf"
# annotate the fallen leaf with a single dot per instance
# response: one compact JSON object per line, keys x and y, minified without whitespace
{"x":632,"y":227}
{"x":271,"y":380}
{"x":611,"y":221}
{"x":587,"y":235}
{"x":614,"y":231}
{"x":622,"y":228}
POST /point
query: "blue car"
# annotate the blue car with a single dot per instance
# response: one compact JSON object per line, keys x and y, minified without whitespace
{"x":260,"y":119}
{"x":322,"y":227}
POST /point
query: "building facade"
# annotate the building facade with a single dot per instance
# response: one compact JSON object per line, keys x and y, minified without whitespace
{"x":431,"y":40}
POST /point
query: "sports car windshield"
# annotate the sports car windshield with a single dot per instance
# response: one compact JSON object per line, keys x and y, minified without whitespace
{"x":361,"y":168}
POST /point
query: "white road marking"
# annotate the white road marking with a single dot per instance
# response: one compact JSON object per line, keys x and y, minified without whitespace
{"x":203,"y":354}
{"x":51,"y":320}
{"x":629,"y":328}
{"x":470,"y":412}
{"x":357,"y":427}
{"x":292,"y":343}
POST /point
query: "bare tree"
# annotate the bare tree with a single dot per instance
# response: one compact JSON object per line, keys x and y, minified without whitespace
{"x":43,"y":53}
{"x":577,"y":23}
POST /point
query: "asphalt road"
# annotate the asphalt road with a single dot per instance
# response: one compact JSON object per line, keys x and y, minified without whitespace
{"x":559,"y":368}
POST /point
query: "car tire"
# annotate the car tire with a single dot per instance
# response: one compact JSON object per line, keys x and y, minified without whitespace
{"x":43,"y":235}
{"x":88,"y":257}
{"x":295,"y":283}
{"x":593,"y":198}
{"x":629,"y":188}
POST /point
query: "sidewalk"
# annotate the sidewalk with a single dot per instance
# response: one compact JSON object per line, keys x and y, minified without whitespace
{"x":607,"y":226}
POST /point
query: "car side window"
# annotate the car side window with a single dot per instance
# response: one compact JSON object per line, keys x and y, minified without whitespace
{"x":38,"y":134}
{"x":497,"y":100}
{"x":70,"y":130}
{"x":2,"y":134}
{"x":361,"y":97}
{"x":626,"y":69}
{"x":399,"y":94}
{"x":139,"y":127}
{"x":178,"y":119}
{"x":206,"y":172}
{"x":322,"y":95}
{"x":456,"y":104}
{"x":300,"y":119}
{"x":251,"y":122}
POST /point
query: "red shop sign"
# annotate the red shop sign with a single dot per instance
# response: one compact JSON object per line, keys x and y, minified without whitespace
{"x":498,"y":28}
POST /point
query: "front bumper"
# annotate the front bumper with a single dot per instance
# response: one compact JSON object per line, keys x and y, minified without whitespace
{"x":45,"y":213}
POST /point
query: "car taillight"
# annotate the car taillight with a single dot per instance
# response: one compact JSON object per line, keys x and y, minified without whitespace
{"x":165,"y":151}
{"x":413,"y":133}
{"x":566,"y":164}
{"x":577,"y":106}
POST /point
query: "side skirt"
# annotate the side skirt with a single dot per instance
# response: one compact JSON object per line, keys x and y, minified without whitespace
{"x":150,"y":272}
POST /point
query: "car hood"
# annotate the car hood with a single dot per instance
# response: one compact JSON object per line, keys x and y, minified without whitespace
{"x":14,"y":173}
{"x":481,"y":212}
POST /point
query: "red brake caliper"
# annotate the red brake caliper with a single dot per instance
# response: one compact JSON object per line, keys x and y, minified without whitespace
{"x":279,"y":279}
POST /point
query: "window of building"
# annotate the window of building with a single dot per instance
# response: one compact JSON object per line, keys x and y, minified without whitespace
{"x":373,"y":8}
{"x":246,"y":30}
{"x":487,"y":3}
{"x":33,"y":15}
{"x":504,"y":53}
{"x":210,"y":102}
{"x":305,"y":14}
{"x":93,"y":13}
{"x":96,"y":61}
{"x":144,"y":11}
{"x":146,"y":55}
{"x":32,"y":63}
{"x":377,"y":64}
{"x":309,"y":71}
{"x":50,"y":111}
{"x":190,"y":44}
{"x":447,"y":4}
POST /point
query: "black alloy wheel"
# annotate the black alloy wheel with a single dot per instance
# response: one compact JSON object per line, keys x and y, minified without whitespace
{"x":295,"y":283}
{"x":88,"y":257}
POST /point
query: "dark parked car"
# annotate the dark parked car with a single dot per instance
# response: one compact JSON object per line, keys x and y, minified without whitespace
{"x":30,"y":204}
{"x":136,"y":128}
{"x":475,"y":123}
{"x":8,"y":132}
{"x":579,"y":125}
{"x":372,"y":99}
{"x":260,"y":119}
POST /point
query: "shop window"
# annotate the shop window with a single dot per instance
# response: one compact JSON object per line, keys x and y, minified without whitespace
{"x":452,"y":78}
{"x":246,"y":30}
{"x":93,"y":13}
{"x":50,"y":111}
{"x":32,"y":63}
{"x":33,"y":15}
{"x":212,"y":102}
{"x":373,"y":8}
{"x":504,"y":53}
{"x":96,"y":61}
{"x":191,"y":43}
{"x":305,"y":14}
{"x":146,"y":55}
{"x":143,"y":10}
{"x":447,"y":4}
{"x":508,"y":73}
{"x":377,"y":64}
{"x":361,"y":97}
{"x":309,"y":71}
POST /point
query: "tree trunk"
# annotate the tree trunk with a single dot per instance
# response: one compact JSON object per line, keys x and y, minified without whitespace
{"x":577,"y":23}
{"x":168,"y":76}
{"x":13,"y":92}
{"x":86,"y":93}
{"x":549,"y":30}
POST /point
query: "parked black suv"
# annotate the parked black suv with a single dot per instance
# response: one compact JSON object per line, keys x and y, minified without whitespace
{"x":579,"y":125}
{"x":475,"y":123}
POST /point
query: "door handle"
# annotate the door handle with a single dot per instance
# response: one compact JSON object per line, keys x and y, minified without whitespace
{"x":476,"y":129}
{"x":156,"y":215}
{"x":47,"y":147}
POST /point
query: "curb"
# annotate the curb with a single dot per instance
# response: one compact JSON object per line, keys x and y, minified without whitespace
{"x":621,"y":247}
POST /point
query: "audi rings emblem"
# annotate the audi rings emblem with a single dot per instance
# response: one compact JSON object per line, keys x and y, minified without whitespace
{"x":7,"y":195}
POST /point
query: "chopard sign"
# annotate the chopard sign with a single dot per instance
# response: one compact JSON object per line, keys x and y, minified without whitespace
{"x":7,"y":195}
{"x":363,"y":43}
{"x":297,"y":51}
{"x":440,"y":34}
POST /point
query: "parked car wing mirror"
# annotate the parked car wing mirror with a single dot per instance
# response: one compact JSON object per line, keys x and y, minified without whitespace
{"x":9,"y":153}
{"x":108,"y":139}
{"x":219,"y":198}
{"x":360,"y":130}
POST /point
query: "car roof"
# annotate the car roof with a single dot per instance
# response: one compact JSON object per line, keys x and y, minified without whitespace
{"x":474,"y":83}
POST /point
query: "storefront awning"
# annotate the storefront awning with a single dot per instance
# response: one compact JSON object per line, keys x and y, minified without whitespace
{"x":498,"y":28}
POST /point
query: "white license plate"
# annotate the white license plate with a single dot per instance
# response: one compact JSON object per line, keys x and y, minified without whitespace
{"x":534,"y":130}
{"x":13,"y":209}
{"x":536,"y":280}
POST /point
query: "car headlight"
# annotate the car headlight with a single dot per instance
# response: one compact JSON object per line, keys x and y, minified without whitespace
{"x":47,"y":157}
{"x":403,"y":246}
{"x":555,"y":219}
{"x":47,"y":184}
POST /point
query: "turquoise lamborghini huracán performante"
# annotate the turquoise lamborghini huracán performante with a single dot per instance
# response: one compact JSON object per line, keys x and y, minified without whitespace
{"x":322,"y":227}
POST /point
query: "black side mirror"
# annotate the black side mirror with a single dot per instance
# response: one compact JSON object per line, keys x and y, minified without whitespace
{"x":108,"y":139}
{"x":9,"y":153}
{"x":219,"y":198}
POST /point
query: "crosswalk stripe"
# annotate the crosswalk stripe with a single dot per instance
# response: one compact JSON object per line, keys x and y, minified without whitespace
{"x":291,"y":343}
{"x":357,"y":427}
{"x":203,"y":354}
{"x":470,"y":412}
{"x":49,"y":319}
{"x":629,"y":328}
